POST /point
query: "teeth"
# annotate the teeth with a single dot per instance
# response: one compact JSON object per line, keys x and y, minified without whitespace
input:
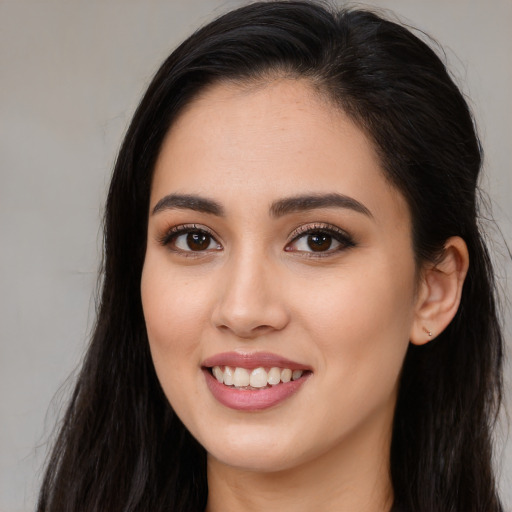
{"x":274,"y":376}
{"x":241,"y":377}
{"x":257,"y":378}
{"x":286,"y":375}
{"x":218,"y":374}
{"x":228,"y":376}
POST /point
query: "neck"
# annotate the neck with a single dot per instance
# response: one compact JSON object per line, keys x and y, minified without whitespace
{"x":352,"y":476}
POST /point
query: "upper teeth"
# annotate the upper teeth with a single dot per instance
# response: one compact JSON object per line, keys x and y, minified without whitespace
{"x":257,"y":378}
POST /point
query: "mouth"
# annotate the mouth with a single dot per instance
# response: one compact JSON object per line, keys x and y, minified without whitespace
{"x":255,"y":379}
{"x":252,"y":382}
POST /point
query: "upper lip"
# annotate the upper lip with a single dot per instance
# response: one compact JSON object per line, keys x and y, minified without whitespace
{"x":252,"y":360}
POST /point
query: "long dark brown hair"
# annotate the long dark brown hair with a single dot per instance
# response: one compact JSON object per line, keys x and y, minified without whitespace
{"x":120,"y":446}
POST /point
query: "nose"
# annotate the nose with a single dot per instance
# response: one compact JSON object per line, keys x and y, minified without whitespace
{"x":252,"y":301}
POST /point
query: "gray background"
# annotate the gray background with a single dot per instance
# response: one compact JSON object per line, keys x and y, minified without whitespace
{"x":71,"y":75}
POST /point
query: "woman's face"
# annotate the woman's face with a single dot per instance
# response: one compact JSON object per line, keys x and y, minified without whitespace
{"x":275,"y":243}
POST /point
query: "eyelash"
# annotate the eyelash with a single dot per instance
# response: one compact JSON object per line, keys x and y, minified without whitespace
{"x":342,"y":237}
{"x":174,"y":232}
{"x":339,"y":235}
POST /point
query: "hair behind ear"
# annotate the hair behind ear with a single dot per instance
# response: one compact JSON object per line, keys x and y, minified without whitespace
{"x":449,"y":396}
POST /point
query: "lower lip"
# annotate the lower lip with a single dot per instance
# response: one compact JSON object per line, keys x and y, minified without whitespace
{"x":252,"y":400}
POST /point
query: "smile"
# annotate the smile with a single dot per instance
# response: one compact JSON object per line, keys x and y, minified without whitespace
{"x":258,"y":378}
{"x":253,"y":381}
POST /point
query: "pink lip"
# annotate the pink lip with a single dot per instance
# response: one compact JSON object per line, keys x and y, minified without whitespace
{"x":248,"y":399}
{"x":253,"y":360}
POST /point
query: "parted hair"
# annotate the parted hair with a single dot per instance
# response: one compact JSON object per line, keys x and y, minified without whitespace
{"x":120,"y":446}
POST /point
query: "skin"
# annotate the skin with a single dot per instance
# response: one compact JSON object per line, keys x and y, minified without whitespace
{"x":347,"y":313}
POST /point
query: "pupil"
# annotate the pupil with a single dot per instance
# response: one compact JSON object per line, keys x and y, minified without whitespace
{"x":198,"y":241}
{"x":319,"y":242}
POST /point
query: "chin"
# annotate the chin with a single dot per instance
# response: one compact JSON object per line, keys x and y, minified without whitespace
{"x":278,"y":448}
{"x":255,"y":449}
{"x":252,"y":459}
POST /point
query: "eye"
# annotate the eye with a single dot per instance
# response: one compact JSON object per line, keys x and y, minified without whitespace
{"x":321,"y":239}
{"x":194,"y":241}
{"x":190,"y":239}
{"x":316,"y":242}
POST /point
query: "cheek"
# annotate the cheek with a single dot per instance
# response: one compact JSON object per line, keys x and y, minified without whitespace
{"x":361,"y":321}
{"x":172,"y":303}
{"x":174,"y":315}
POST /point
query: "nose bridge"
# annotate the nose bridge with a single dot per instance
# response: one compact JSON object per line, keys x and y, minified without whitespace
{"x":250,"y":302}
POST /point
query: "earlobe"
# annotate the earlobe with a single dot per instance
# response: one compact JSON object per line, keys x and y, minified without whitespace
{"x":439,"y":292}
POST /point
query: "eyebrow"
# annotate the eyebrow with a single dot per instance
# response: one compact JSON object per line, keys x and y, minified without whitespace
{"x":188,"y":202}
{"x":316,"y":201}
{"x":278,"y":208}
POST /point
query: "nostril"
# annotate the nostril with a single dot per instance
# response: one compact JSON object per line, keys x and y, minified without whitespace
{"x":263,"y":328}
{"x":249,"y":333}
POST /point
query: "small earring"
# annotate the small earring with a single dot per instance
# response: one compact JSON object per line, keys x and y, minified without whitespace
{"x":427,"y":331}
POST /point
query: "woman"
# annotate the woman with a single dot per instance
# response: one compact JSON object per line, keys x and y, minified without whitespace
{"x":298,"y":309}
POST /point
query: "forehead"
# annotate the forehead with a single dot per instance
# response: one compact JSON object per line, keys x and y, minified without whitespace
{"x":280,"y":138}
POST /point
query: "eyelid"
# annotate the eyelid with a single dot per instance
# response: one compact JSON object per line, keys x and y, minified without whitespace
{"x":182,"y":229}
{"x":340,"y":235}
{"x":318,"y":226}
{"x":337,"y":233}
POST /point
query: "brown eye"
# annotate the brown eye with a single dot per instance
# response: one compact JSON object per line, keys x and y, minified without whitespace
{"x":322,"y":240}
{"x":319,"y":242}
{"x":198,"y":241}
{"x":191,"y":240}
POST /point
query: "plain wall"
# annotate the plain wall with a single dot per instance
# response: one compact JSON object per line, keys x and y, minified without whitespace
{"x":71,"y":76}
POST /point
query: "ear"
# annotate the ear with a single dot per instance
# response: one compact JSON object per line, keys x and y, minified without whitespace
{"x":439,"y":291}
